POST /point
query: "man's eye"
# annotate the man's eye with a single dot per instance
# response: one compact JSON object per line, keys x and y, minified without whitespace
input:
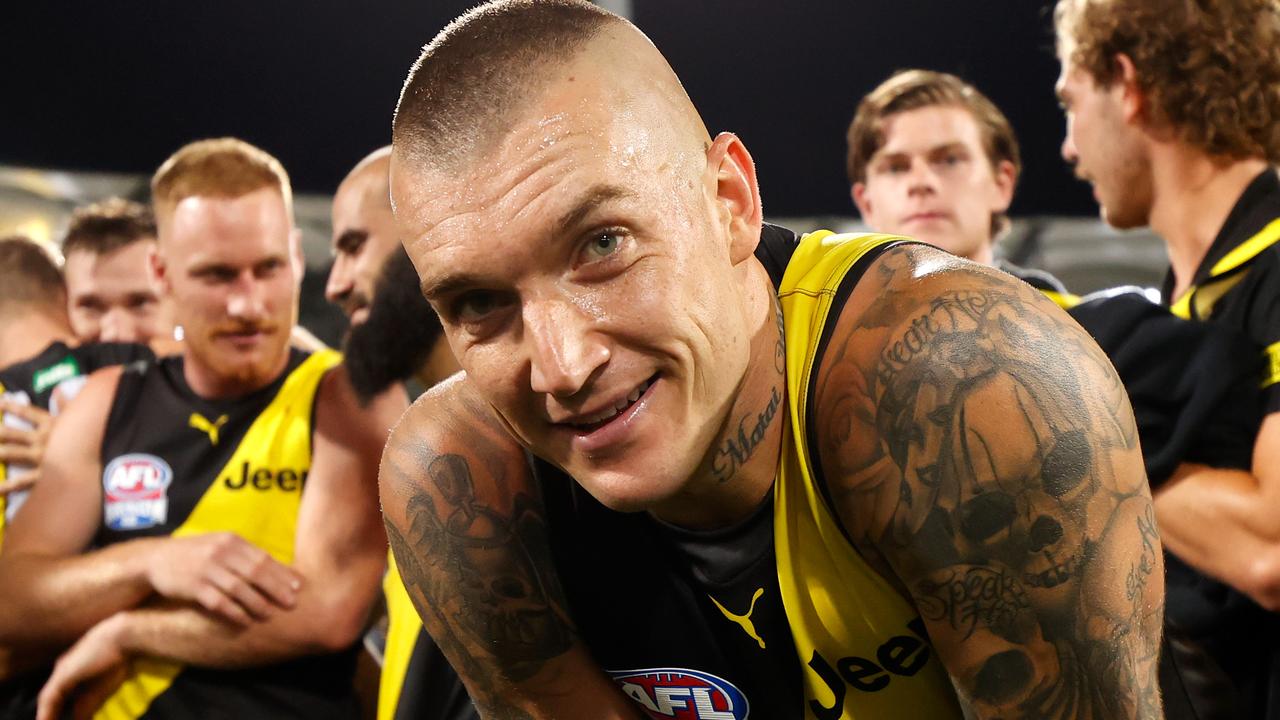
{"x":475,"y":306}
{"x":603,"y":245}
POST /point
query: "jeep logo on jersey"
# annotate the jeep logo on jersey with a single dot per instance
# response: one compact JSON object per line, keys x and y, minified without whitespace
{"x":135,"y":492}
{"x":683,"y":694}
{"x":262,"y":478}
{"x":900,"y":655}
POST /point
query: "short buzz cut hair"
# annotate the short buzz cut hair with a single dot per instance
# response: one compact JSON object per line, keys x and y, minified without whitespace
{"x":915,"y":89}
{"x":1210,"y":70}
{"x":480,"y":69}
{"x":29,"y":275}
{"x":104,"y":227}
{"x":221,"y":167}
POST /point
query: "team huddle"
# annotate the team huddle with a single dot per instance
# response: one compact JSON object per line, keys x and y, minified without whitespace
{"x":666,"y":459}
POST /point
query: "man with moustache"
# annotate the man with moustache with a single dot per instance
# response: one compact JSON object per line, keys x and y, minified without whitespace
{"x":205,"y":536}
{"x":699,"y":464}
{"x":395,"y":336}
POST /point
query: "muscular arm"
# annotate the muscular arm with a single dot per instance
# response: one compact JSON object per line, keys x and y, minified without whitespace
{"x":981,"y":452}
{"x":340,"y":553}
{"x":1243,"y":549}
{"x":469,"y":536}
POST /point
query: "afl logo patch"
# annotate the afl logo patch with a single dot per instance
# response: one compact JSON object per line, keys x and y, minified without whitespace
{"x":682,"y":694}
{"x":136,"y":492}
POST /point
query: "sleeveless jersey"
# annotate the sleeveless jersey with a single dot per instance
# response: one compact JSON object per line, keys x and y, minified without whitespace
{"x":175,"y":464}
{"x":777,"y":616}
{"x":33,"y":382}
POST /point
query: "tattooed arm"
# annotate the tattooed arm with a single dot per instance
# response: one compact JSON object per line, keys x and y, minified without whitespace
{"x":465,"y":522}
{"x":982,"y":454}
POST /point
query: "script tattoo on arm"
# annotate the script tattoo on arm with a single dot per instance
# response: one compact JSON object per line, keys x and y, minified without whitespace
{"x":981,"y":452}
{"x":474,"y":558}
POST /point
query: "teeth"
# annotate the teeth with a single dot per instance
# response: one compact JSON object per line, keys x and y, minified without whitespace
{"x":618,"y":407}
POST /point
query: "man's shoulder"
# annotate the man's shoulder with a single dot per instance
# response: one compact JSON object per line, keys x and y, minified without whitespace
{"x":452,"y":410}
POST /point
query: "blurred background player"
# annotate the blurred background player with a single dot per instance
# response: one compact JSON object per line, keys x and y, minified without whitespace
{"x":207,"y":526}
{"x":109,"y":290}
{"x":1173,"y":115}
{"x":395,"y":336}
{"x":932,"y":158}
{"x":39,"y":355}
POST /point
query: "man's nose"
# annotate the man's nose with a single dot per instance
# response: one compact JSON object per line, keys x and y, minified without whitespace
{"x":564,"y":352}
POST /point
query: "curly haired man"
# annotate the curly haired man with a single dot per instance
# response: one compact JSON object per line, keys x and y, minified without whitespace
{"x":1173,"y":115}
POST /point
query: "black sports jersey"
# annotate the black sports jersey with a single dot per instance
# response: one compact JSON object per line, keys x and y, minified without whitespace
{"x":58,"y":363}
{"x":174,"y":463}
{"x":1238,"y":282}
{"x":1237,"y":285}
{"x":33,"y":382}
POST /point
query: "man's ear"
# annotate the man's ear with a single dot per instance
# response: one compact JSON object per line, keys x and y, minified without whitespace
{"x":1006,"y":177}
{"x":737,"y":194}
{"x":1132,"y":100}
{"x":860,"y":200}
{"x":159,"y":272}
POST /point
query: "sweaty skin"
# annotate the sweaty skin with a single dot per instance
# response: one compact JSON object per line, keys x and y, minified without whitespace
{"x":631,"y":271}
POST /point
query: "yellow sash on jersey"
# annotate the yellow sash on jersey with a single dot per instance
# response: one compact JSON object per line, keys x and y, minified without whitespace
{"x":403,"y":628}
{"x":280,"y":437}
{"x":859,"y":641}
{"x":1064,"y":300}
{"x":1198,"y":301}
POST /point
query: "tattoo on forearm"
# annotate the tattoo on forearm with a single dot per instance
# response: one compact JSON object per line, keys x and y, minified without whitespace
{"x":480,"y":577}
{"x":1005,"y":492}
{"x":975,"y":597}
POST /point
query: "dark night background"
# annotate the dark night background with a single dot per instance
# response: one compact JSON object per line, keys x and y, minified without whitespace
{"x":118,"y":86}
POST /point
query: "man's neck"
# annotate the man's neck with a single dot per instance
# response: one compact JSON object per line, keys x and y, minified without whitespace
{"x":742,"y":463}
{"x":25,"y":336}
{"x":1194,"y":194}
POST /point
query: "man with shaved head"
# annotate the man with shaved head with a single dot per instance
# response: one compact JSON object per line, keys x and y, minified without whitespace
{"x":697,"y":464}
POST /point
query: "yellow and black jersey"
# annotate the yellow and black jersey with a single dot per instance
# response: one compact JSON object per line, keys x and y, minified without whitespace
{"x":1237,"y":287}
{"x":417,"y":681}
{"x":777,"y":616}
{"x":1238,"y":282}
{"x":33,"y":382}
{"x":174,"y":463}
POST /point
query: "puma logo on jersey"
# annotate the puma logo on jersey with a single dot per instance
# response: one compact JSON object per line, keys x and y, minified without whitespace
{"x":201,"y":423}
{"x":744,"y":621}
